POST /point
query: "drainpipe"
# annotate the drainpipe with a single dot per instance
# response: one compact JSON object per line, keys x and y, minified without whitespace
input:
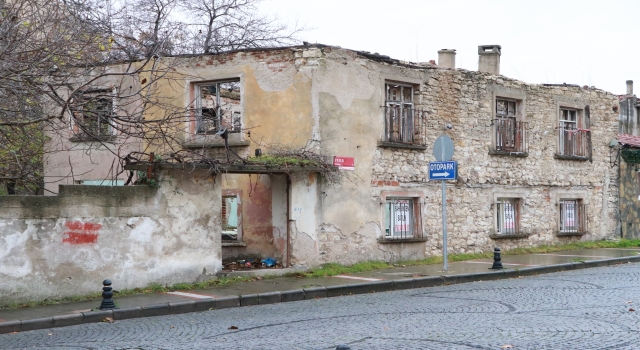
{"x":288,"y":253}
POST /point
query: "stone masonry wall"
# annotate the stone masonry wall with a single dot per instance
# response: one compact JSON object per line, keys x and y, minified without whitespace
{"x":629,"y":200}
{"x":465,"y":100}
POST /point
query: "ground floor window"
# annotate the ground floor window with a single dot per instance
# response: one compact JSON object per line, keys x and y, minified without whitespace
{"x":402,"y":218}
{"x":508,"y":216}
{"x":573,"y":216}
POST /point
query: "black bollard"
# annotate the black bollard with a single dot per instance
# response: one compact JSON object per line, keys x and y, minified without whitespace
{"x":107,"y":295}
{"x":497,"y":263}
{"x":343,"y":347}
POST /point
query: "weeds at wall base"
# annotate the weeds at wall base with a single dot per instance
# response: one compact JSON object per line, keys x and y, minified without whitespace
{"x":333,"y":269}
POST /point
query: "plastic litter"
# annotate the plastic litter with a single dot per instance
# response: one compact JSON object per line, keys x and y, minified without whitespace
{"x":269,"y":262}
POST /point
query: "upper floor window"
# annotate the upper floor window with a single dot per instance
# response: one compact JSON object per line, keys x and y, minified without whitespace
{"x":573,"y":133}
{"x":403,"y":123}
{"x":218,"y":106}
{"x":509,"y":131}
{"x":93,"y":111}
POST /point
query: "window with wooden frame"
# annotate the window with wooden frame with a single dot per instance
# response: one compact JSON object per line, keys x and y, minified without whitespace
{"x":403,"y":124}
{"x":509,"y":131}
{"x":218,"y":106}
{"x":574,"y":135}
{"x":403,"y":219}
{"x":573,"y":216}
{"x":93,"y":111}
{"x":508,"y":216}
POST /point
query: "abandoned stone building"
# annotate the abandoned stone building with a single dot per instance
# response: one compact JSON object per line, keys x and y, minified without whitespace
{"x":534,"y":159}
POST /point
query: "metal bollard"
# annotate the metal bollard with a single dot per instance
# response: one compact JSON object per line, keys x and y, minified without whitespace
{"x":497,"y":260}
{"x":107,"y":296}
{"x":343,"y":347}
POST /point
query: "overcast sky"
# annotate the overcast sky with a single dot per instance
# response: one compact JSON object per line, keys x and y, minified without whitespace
{"x":581,"y":42}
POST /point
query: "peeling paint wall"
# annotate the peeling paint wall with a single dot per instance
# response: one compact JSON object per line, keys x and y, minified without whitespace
{"x":263,"y":223}
{"x":59,"y":246}
{"x":69,"y":159}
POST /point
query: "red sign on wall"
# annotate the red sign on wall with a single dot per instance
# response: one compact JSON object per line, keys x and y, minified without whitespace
{"x":81,"y":232}
{"x":344,"y":163}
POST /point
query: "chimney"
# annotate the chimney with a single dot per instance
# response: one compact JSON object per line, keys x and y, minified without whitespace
{"x":489,"y":60}
{"x":629,"y":87}
{"x":447,"y":58}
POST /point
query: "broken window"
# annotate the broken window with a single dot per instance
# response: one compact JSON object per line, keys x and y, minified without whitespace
{"x":573,"y":216}
{"x":573,"y":134}
{"x":400,"y":125}
{"x":509,"y":131}
{"x":93,"y":111}
{"x":402,"y":218}
{"x":231,"y":216}
{"x":508,"y":216}
{"x":218,"y":107}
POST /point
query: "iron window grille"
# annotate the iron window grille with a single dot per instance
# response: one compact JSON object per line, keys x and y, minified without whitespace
{"x":508,"y":216}
{"x":403,"y":219}
{"x":218,"y":106}
{"x":573,"y":216}
{"x":573,"y":140}
{"x":94,"y":111}
{"x":403,"y":123}
{"x":511,"y":134}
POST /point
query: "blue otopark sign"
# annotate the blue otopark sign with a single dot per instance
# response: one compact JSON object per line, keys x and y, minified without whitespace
{"x":443,"y":170}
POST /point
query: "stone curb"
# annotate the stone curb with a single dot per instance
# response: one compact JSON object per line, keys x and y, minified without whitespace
{"x":295,"y":295}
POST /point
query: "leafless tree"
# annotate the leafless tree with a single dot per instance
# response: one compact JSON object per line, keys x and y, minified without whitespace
{"x":223,"y":25}
{"x":63,"y":63}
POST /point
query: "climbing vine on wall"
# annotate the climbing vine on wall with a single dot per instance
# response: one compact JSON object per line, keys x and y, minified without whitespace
{"x":631,"y":156}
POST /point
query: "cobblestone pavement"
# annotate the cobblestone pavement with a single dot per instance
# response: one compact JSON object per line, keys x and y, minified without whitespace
{"x":582,"y":309}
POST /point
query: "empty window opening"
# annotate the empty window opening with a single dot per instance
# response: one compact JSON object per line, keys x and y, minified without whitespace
{"x":230,"y":218}
{"x":218,"y":107}
{"x":93,"y":111}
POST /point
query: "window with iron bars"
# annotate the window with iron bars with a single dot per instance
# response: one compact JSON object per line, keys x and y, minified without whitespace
{"x":573,"y":136}
{"x":403,"y":123}
{"x":403,"y":219}
{"x":573,"y":216}
{"x":508,"y":216}
{"x":510,"y":133}
{"x":218,"y":106}
{"x":93,"y":111}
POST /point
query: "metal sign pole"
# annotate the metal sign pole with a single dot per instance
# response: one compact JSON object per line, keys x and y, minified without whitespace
{"x":444,"y":226}
{"x":443,"y":151}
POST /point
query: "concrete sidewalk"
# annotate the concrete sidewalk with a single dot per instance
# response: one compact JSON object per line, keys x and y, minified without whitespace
{"x":284,"y":289}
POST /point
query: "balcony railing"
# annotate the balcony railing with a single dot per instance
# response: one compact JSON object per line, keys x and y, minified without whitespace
{"x":404,"y":125}
{"x":574,"y":142}
{"x":511,"y":135}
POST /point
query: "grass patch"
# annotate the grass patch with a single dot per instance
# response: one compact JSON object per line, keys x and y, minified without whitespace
{"x":282,"y":161}
{"x":333,"y":269}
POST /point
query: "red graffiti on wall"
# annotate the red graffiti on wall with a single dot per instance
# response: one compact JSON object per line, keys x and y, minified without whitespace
{"x":81,"y":232}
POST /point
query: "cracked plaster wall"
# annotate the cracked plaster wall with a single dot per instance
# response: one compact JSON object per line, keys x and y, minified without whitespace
{"x":59,"y":246}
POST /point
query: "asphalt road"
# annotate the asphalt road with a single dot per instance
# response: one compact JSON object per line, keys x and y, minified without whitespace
{"x":582,"y":309}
